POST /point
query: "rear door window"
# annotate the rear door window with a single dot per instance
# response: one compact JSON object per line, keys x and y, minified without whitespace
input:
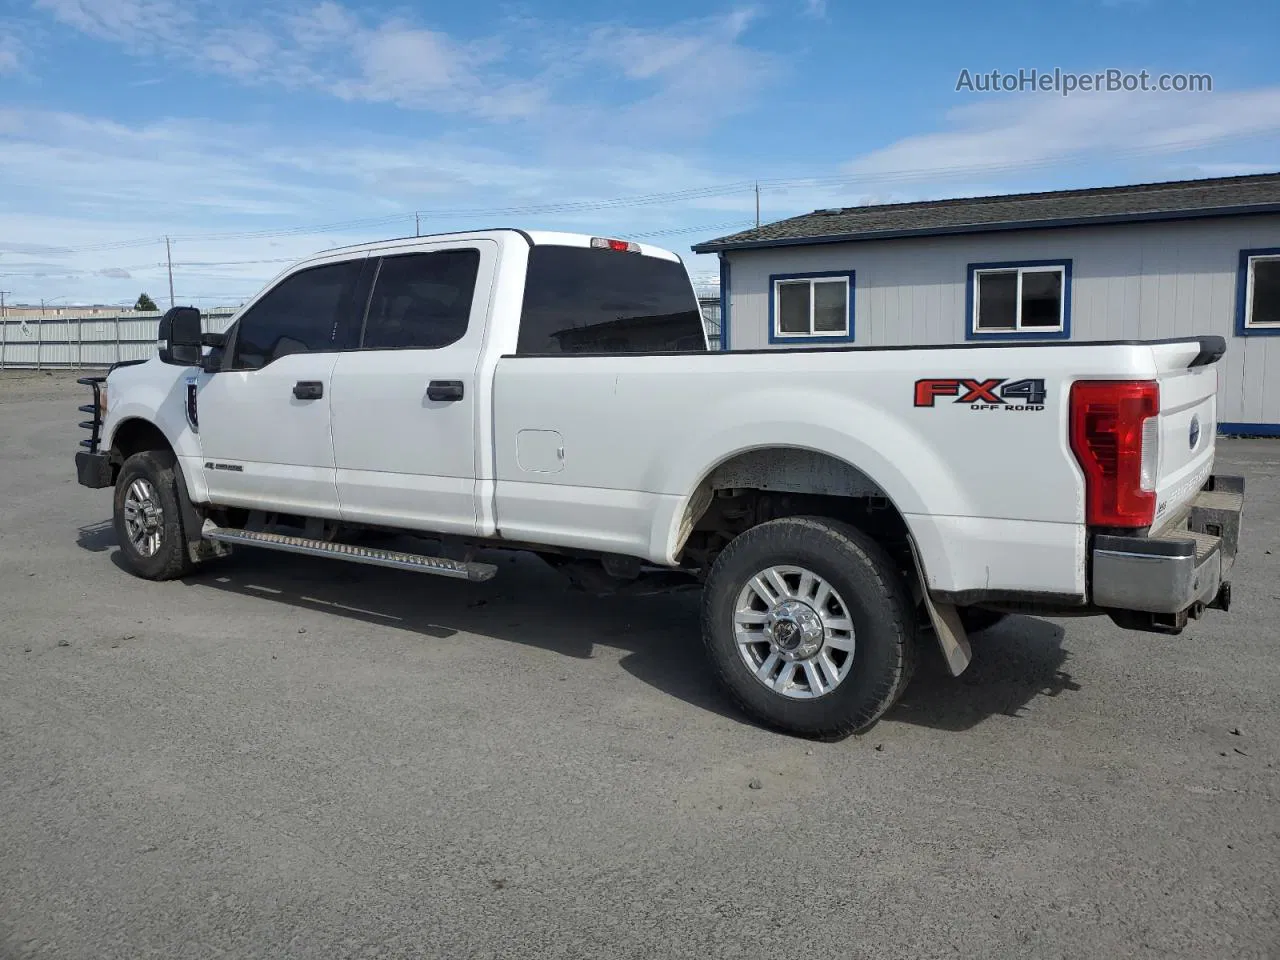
{"x":588,"y":300}
{"x":307,"y":312}
{"x":421,"y":300}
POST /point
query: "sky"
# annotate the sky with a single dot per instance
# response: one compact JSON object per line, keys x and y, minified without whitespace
{"x":254,"y":134}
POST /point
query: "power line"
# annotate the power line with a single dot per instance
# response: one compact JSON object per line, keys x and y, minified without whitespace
{"x":676,"y":231}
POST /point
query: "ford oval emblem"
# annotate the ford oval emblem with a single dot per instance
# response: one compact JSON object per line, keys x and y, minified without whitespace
{"x":1195,"y":432}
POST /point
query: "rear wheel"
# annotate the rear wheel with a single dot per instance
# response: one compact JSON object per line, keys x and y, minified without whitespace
{"x":148,"y":519}
{"x":809,"y":626}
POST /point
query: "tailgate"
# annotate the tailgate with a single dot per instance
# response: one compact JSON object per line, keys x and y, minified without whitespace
{"x":1188,"y":424}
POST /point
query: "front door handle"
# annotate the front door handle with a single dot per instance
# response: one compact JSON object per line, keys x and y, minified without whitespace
{"x":444,"y":390}
{"x":308,"y":390}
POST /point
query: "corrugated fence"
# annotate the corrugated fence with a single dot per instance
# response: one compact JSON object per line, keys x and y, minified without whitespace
{"x":87,"y":342}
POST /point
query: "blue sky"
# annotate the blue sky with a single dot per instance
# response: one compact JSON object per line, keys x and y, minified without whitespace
{"x":257,"y":133}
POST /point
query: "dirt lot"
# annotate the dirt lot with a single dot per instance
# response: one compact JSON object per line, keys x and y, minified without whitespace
{"x":283,"y":757}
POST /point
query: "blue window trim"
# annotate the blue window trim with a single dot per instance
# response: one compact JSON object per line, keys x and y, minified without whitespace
{"x":1242,"y":290}
{"x":1249,"y":429}
{"x":725,"y":290}
{"x":800,"y":338}
{"x":970,"y":289}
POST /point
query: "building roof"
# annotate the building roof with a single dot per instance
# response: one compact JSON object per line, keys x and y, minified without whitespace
{"x":1175,"y":200}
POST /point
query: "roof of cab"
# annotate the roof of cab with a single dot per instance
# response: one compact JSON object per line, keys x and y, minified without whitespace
{"x":532,"y":237}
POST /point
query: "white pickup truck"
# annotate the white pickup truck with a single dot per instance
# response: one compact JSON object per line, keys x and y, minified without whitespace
{"x":554,"y":393}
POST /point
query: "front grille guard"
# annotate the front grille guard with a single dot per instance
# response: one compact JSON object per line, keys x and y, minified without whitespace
{"x":94,"y":425}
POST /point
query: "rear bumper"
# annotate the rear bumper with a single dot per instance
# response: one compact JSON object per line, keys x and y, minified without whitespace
{"x":1156,"y":583}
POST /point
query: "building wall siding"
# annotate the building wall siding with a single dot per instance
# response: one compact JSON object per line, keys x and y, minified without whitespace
{"x":1132,"y":281}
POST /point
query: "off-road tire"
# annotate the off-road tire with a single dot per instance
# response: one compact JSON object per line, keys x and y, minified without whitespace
{"x":879,"y":604}
{"x":172,"y":559}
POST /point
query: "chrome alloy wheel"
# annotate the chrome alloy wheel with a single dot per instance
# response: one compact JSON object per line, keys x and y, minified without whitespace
{"x":143,"y":517}
{"x":794,"y":632}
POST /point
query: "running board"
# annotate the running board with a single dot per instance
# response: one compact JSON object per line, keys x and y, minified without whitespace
{"x":344,"y":551}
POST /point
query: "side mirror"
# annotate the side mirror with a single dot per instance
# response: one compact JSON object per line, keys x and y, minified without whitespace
{"x":211,"y":362}
{"x":180,"y":337}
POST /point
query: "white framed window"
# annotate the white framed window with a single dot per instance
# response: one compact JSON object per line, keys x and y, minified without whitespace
{"x":1260,"y":279}
{"x":811,"y":307}
{"x":1029,"y":299}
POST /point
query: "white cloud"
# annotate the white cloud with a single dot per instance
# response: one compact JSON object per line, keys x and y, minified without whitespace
{"x":399,"y":60}
{"x":415,"y":67}
{"x":817,"y":9}
{"x":1026,"y":132}
{"x":690,"y":74}
{"x":326,"y":46}
{"x":241,"y":52}
{"x":84,"y":190}
{"x":135,"y":22}
{"x":13,"y":53}
{"x":525,"y":69}
{"x":324,"y":24}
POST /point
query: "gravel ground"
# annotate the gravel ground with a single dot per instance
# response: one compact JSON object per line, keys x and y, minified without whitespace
{"x":284,"y":757}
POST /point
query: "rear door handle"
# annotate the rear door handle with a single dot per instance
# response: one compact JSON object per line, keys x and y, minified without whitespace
{"x":308,"y":389}
{"x":444,"y":390}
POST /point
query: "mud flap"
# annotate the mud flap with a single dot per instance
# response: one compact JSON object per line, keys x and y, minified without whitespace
{"x":198,"y":548}
{"x":953,"y":641}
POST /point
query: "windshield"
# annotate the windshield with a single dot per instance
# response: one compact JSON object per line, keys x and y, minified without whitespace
{"x":588,"y":300}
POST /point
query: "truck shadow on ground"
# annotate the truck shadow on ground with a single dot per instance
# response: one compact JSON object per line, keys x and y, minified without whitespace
{"x":97,"y":537}
{"x":529,"y":603}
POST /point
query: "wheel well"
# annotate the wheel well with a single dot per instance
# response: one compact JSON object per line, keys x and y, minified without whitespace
{"x":764,"y":484}
{"x":134,"y":436}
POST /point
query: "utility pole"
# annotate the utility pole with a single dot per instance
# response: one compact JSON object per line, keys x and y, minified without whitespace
{"x":757,"y":204}
{"x":168,"y":254}
{"x":417,"y":224}
{"x":4,"y":328}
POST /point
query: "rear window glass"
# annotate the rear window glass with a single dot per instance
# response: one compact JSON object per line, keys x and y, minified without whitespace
{"x":421,"y":300}
{"x":585,"y":300}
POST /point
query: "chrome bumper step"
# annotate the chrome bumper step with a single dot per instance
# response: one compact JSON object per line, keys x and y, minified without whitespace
{"x":1158,"y":582}
{"x":418,"y":563}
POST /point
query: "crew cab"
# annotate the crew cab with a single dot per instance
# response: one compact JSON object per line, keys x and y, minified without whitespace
{"x":554,"y":393}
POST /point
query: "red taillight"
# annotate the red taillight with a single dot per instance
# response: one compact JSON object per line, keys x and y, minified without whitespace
{"x":1108,"y":429}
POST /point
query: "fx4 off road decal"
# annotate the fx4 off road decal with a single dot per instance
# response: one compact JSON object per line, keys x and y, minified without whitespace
{"x":995,"y":394}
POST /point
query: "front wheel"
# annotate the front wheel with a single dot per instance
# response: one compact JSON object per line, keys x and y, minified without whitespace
{"x":148,"y":519}
{"x":809,"y":626}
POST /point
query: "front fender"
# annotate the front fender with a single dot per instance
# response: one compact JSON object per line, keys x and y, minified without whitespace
{"x":156,"y":393}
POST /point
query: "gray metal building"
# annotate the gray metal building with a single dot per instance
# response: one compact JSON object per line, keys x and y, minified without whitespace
{"x":1134,"y":262}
